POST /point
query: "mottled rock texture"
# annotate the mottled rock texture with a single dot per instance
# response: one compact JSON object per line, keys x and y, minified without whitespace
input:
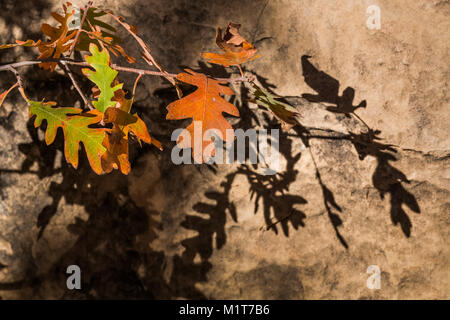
{"x":227,"y":232}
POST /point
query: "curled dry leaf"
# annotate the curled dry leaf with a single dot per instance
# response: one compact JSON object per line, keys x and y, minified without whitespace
{"x":116,"y":142}
{"x":237,"y":49}
{"x":60,"y":38}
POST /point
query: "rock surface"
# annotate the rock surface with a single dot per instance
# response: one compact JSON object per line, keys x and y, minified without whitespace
{"x":228,"y":232}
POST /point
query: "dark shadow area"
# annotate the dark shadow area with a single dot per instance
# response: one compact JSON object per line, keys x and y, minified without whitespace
{"x":330,"y":203}
{"x":327,"y":89}
{"x":386,"y":178}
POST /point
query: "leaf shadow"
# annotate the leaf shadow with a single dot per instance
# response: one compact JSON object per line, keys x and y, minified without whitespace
{"x":386,"y":178}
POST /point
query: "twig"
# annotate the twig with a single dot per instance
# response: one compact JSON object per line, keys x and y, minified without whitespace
{"x":113,"y":66}
{"x":75,"y":84}
{"x":86,"y":8}
{"x":18,"y":77}
{"x":143,"y":71}
{"x":7,"y":67}
{"x":240,"y":70}
{"x":146,"y":53}
{"x":19,"y":82}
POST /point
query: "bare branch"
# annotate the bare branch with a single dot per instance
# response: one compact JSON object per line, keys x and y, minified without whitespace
{"x":164,"y":74}
{"x":146,"y":53}
{"x":19,"y":82}
{"x":18,"y":77}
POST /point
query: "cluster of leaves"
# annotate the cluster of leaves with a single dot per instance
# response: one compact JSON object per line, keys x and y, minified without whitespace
{"x":103,"y":130}
{"x":61,"y":38}
{"x":106,"y":148}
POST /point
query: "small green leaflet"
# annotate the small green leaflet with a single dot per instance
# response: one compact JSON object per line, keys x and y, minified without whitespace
{"x":103,"y":77}
{"x":284,"y":112}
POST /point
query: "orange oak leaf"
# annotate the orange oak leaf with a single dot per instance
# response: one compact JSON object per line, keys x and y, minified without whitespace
{"x":237,"y":49}
{"x":61,"y":38}
{"x":205,"y":106}
{"x":116,"y":142}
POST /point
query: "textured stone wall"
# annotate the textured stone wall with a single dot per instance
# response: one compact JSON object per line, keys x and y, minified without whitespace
{"x":190,"y":231}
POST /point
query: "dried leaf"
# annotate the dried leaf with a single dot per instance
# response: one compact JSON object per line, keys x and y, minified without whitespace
{"x":116,"y":143}
{"x":61,"y":38}
{"x":28,"y":43}
{"x":205,"y":105}
{"x":237,"y":49}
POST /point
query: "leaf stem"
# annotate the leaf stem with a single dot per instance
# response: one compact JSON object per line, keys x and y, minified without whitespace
{"x":19,"y":82}
{"x":75,"y":84}
{"x":86,"y":8}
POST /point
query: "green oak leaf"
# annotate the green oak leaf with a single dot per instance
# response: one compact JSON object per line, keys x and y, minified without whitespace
{"x":75,"y":126}
{"x":103,"y":77}
{"x":284,"y":112}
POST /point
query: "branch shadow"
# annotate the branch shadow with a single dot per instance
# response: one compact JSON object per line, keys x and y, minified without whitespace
{"x":386,"y":178}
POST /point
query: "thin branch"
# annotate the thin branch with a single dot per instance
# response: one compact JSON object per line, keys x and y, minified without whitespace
{"x":7,"y":67}
{"x":113,"y":66}
{"x":19,"y":82}
{"x":143,"y":71}
{"x":75,"y":84}
{"x":18,"y":77}
{"x":240,"y":70}
{"x":146,"y":53}
{"x":86,"y":8}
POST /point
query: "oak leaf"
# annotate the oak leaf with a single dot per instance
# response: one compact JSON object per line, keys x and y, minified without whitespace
{"x":103,"y":77}
{"x":75,"y":126}
{"x":61,"y":38}
{"x":204,"y":105}
{"x":237,"y":49}
{"x":116,"y":142}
